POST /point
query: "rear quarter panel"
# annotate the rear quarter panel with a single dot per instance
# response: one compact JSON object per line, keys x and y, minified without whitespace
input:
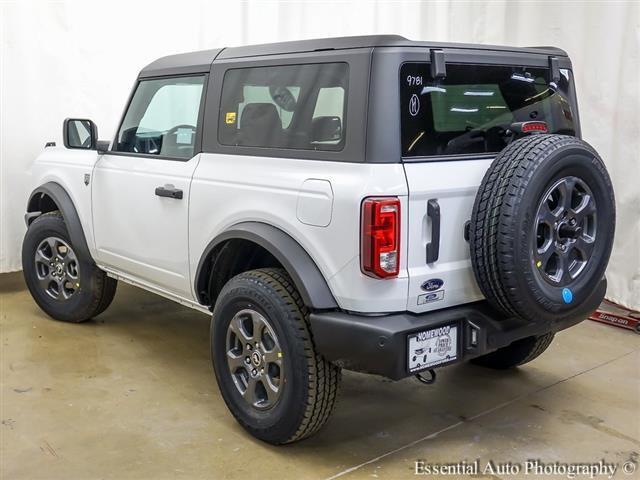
{"x":229,"y":189}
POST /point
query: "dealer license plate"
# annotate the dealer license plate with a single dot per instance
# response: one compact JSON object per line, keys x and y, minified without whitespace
{"x":432,"y":347}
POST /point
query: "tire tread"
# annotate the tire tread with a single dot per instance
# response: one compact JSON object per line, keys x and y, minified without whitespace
{"x":493,"y":234}
{"x":102,"y":288}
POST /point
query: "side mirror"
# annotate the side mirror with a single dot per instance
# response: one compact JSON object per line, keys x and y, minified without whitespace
{"x":102,"y":146}
{"x":79,"y":133}
{"x":326,"y":129}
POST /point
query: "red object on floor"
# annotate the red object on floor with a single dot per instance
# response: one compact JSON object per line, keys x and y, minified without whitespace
{"x":614,"y":314}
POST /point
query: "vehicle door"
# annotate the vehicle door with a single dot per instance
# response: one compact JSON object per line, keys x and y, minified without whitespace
{"x":453,"y":126}
{"x":140,"y":192}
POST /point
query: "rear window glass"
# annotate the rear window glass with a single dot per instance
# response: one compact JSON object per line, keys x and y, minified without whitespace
{"x":290,"y":106}
{"x":470,"y":110}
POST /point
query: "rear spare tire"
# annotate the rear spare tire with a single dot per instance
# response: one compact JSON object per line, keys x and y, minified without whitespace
{"x":542,"y":227}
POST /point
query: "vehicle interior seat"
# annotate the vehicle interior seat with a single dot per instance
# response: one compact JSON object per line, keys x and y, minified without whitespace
{"x":260,"y":125}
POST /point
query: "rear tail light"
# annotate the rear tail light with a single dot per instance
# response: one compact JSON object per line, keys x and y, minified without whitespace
{"x":380,"y":237}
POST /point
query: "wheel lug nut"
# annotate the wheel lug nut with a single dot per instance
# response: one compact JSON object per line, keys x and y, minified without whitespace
{"x":247,"y":360}
{"x":254,"y":372}
{"x":262,"y":370}
{"x":248,"y":346}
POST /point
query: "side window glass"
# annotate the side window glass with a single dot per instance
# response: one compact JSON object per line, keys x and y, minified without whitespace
{"x":162,"y":117}
{"x":289,"y":106}
{"x":258,"y":94}
{"x":328,"y":115}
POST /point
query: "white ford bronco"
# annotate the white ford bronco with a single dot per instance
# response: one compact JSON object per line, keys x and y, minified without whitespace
{"x":368,"y":203}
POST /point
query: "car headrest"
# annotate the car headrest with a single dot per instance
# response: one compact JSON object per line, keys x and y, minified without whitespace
{"x":260,"y":125}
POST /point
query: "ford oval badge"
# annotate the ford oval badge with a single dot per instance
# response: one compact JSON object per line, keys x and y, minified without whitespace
{"x":432,"y":284}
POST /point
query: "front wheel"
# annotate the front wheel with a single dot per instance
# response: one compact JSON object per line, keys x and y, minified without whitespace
{"x":270,"y":376}
{"x":65,"y":285}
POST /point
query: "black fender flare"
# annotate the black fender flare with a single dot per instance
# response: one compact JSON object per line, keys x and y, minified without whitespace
{"x":63,"y":201}
{"x":296,"y":261}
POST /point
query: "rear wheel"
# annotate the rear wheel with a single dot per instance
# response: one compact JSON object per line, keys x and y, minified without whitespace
{"x":270,"y":376}
{"x":65,"y":285}
{"x":518,"y":353}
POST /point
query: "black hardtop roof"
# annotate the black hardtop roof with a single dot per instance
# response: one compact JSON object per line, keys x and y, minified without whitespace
{"x":198,"y":62}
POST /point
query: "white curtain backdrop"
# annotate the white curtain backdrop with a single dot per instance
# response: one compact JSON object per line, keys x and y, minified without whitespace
{"x":80,"y":58}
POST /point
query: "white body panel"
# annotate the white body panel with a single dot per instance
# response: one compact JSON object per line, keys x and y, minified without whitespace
{"x":453,"y":185}
{"x":229,"y":189}
{"x":136,"y":231}
{"x":157,"y":242}
{"x":68,"y":168}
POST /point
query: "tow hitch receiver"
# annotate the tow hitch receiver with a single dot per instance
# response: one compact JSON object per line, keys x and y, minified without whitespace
{"x":427,"y":380}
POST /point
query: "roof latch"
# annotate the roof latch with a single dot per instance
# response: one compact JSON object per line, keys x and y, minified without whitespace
{"x":438,"y":66}
{"x":554,"y":69}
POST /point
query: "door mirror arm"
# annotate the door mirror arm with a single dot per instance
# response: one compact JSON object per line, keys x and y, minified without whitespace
{"x":102,"y":146}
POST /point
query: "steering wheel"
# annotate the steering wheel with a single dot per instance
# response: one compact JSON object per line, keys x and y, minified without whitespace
{"x":149,"y":145}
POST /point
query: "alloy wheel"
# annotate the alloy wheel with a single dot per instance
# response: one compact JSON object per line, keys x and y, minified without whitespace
{"x":57,"y":268}
{"x":565,"y":231}
{"x":254,"y":359}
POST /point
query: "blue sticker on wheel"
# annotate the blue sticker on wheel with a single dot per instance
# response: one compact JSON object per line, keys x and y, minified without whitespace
{"x":567,"y":295}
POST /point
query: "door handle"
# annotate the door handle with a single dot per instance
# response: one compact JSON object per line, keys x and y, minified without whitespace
{"x":433,"y":247}
{"x":169,"y":191}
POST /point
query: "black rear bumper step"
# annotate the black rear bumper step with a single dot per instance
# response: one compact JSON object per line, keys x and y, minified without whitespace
{"x":378,"y":344}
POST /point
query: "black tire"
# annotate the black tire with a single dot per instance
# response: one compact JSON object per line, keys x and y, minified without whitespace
{"x":518,"y":353}
{"x":93,"y":290}
{"x":309,"y":382}
{"x":506,"y":230}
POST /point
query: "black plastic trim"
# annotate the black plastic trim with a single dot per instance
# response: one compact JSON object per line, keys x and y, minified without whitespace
{"x":438,"y":65}
{"x":64,"y":203}
{"x":181,"y":64}
{"x":199,"y":61}
{"x":554,"y":69}
{"x":450,"y":158}
{"x":169,"y":192}
{"x":433,"y":247}
{"x":377,"y":344}
{"x":149,"y":155}
{"x":296,"y":261}
{"x":102,"y":146}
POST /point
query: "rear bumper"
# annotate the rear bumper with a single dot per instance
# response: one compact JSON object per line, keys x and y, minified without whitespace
{"x":378,"y":344}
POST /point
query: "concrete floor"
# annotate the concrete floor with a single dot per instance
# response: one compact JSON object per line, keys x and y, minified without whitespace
{"x":131,"y":395}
